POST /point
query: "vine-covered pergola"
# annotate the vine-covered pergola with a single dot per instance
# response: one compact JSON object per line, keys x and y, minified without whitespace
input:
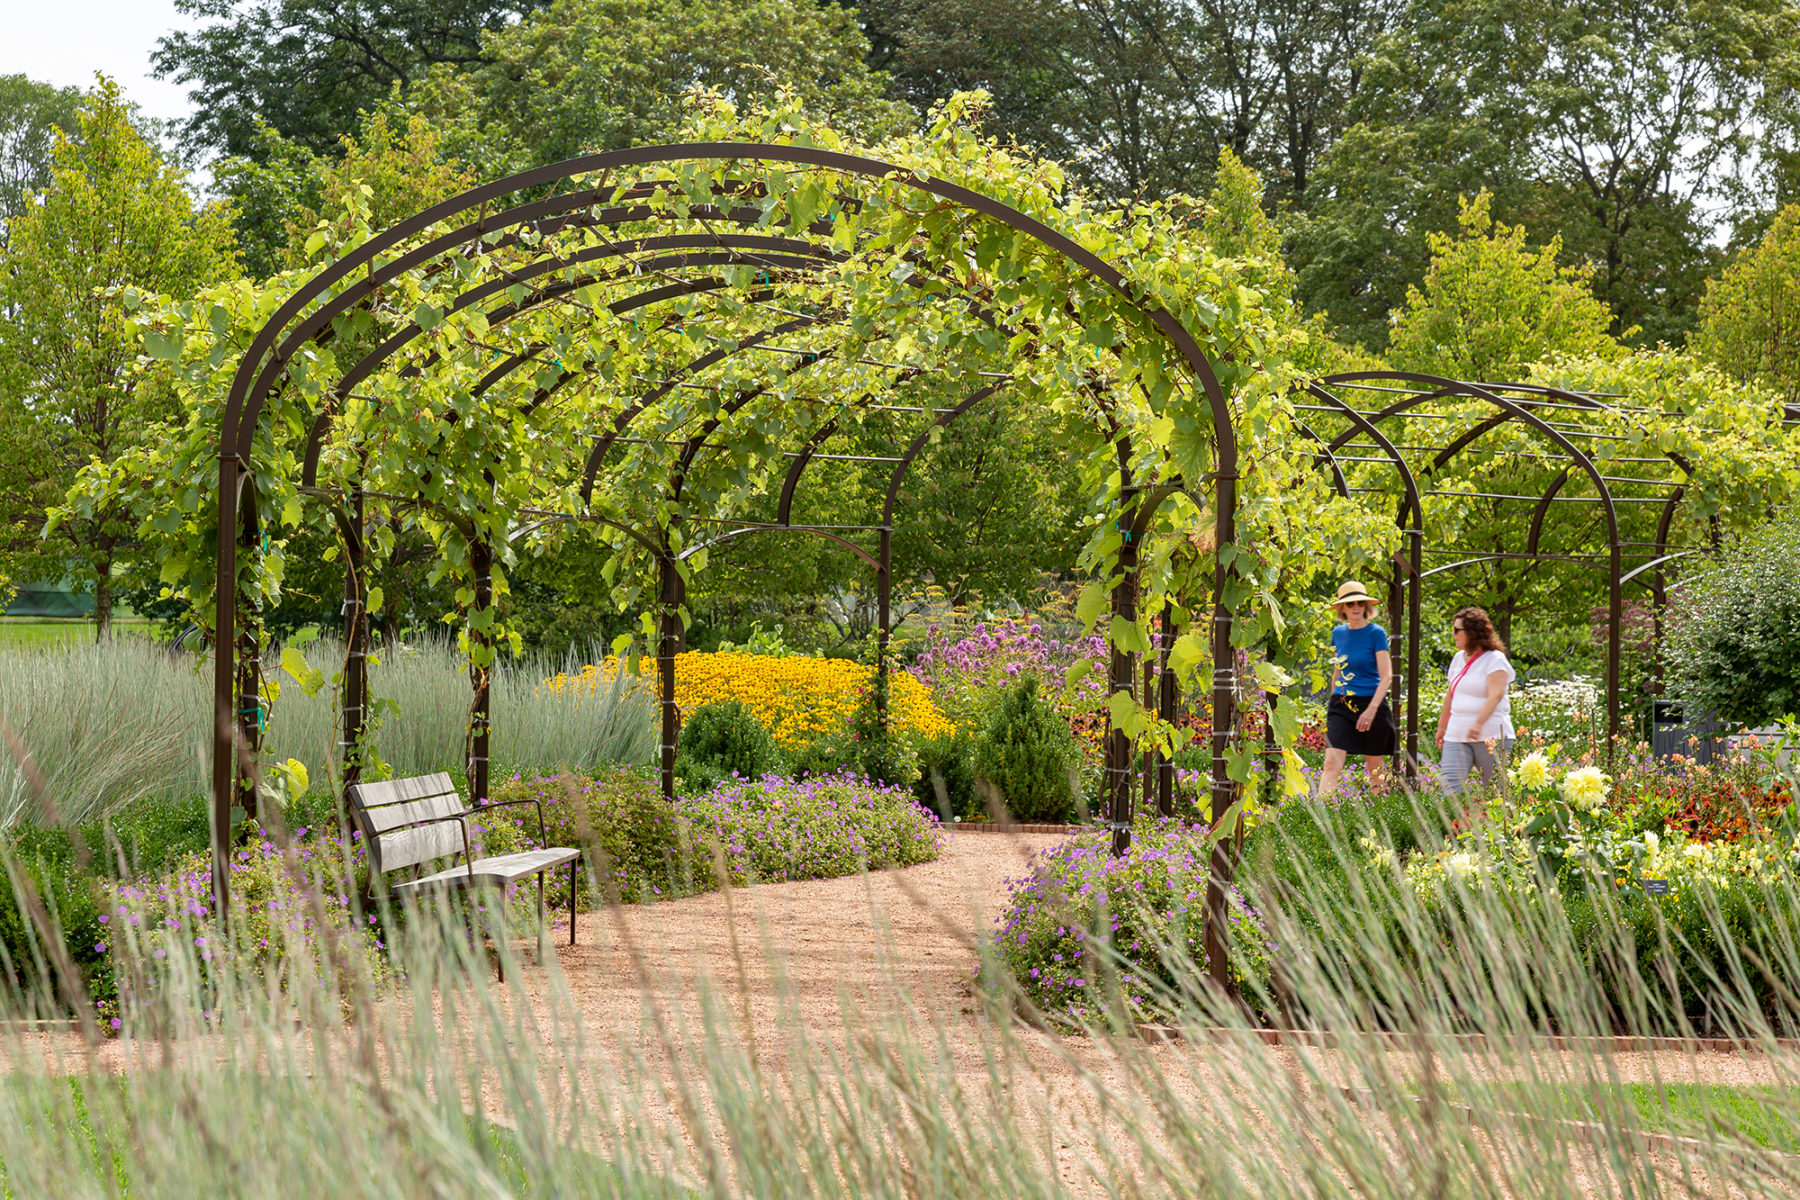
{"x":649,"y":342}
{"x":649,"y":337}
{"x":1626,"y":469}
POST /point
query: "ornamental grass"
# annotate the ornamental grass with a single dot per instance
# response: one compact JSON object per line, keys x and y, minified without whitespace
{"x":1413,"y":1074}
{"x":798,"y":699}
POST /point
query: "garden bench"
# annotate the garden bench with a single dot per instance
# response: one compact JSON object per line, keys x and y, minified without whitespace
{"x":415,"y":821}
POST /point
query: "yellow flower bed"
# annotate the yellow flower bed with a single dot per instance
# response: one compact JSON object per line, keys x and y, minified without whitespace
{"x":797,"y":699}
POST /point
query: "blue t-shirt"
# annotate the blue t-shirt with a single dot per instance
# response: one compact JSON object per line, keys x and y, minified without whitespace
{"x":1358,"y":672}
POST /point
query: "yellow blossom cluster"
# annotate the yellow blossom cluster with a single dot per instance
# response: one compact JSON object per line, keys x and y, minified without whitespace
{"x":798,"y":699}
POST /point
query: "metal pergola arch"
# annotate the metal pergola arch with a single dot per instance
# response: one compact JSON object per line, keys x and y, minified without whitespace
{"x":1512,"y":402}
{"x":307,"y":317}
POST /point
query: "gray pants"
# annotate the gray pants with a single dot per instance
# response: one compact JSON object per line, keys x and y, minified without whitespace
{"x":1459,"y":757}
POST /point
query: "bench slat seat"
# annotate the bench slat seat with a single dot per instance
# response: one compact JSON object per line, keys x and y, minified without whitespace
{"x":501,"y":870}
{"x":422,"y":819}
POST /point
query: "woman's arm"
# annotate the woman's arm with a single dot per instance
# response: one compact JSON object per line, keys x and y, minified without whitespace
{"x":1444,"y":718}
{"x":1496,"y":691}
{"x":1384,"y":662}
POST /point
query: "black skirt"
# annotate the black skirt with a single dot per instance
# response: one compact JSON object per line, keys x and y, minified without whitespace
{"x":1341,"y":732}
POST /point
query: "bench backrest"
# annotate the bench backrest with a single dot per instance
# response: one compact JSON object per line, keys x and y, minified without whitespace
{"x":387,"y":814}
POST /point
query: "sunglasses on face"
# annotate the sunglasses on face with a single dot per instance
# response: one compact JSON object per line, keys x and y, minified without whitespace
{"x":1457,"y":629}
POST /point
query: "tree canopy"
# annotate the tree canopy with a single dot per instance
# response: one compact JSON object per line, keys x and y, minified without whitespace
{"x":113,"y":215}
{"x":306,"y":67}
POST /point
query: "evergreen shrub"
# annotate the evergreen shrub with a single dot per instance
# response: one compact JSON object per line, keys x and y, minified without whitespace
{"x":1027,"y":755}
{"x":946,"y":783}
{"x":721,"y":739}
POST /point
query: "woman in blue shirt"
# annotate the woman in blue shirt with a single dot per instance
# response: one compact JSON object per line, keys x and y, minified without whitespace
{"x":1359,"y":720}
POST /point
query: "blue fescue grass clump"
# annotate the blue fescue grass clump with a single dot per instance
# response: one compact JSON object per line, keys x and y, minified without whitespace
{"x":1097,"y":940}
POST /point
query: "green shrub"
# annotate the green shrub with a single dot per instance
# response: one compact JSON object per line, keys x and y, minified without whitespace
{"x":619,"y":820}
{"x":71,"y":900}
{"x":1729,"y":646}
{"x":946,"y":782}
{"x":1027,"y":754}
{"x":876,"y":750}
{"x":723,"y":739}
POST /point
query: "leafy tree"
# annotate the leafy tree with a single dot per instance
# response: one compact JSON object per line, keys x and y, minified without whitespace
{"x":281,"y":194}
{"x":1618,"y":125}
{"x":305,"y":67}
{"x":1729,"y":648}
{"x":31,"y":116}
{"x":1492,"y":305}
{"x":1750,"y":319}
{"x":1139,"y":96}
{"x":586,"y":75}
{"x":1027,"y":755}
{"x":115,"y":215}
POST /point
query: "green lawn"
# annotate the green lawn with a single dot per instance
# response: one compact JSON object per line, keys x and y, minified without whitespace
{"x":29,"y":632}
{"x":1764,"y":1116}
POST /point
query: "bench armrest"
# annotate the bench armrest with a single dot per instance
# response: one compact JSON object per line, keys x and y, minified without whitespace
{"x":543,"y":829}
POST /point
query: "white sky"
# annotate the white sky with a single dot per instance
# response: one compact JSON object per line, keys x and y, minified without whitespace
{"x":65,"y":41}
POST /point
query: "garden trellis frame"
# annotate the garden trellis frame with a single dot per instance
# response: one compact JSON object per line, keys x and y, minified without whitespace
{"x":723,"y":236}
{"x":1405,"y":395}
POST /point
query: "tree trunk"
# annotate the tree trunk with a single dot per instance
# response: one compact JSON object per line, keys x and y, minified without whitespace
{"x":103,"y":601}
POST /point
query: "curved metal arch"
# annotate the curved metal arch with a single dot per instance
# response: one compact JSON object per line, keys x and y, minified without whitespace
{"x":1517,"y":412}
{"x":250,"y":385}
{"x":699,"y":251}
{"x":1581,"y":458}
{"x":322,"y":421}
{"x":293,"y":327}
{"x":845,"y":542}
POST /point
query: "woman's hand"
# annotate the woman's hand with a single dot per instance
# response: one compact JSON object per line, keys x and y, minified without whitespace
{"x":1364,"y":722}
{"x":1440,"y":737}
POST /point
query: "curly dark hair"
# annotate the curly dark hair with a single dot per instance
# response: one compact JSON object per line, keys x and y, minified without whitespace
{"x":1480,"y":628}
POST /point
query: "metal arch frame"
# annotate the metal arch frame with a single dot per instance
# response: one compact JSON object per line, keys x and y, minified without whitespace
{"x":1512,"y":410}
{"x":292,"y":327}
{"x":1405,"y":583}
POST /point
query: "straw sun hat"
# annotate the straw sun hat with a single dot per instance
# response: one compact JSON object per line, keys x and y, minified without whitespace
{"x":1350,"y":593}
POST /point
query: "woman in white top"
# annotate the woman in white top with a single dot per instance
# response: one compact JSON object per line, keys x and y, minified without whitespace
{"x":1475,"y":727}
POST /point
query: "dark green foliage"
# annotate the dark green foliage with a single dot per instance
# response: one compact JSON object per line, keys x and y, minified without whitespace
{"x":723,"y":739}
{"x":1730,"y":647}
{"x":305,"y":67}
{"x":70,"y":899}
{"x":1027,"y":754}
{"x":946,"y":782}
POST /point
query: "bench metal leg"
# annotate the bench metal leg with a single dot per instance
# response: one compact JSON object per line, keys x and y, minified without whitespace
{"x":574,"y":863}
{"x":540,"y":924}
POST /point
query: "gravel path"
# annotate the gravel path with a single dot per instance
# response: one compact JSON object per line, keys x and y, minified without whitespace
{"x":819,"y":962}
